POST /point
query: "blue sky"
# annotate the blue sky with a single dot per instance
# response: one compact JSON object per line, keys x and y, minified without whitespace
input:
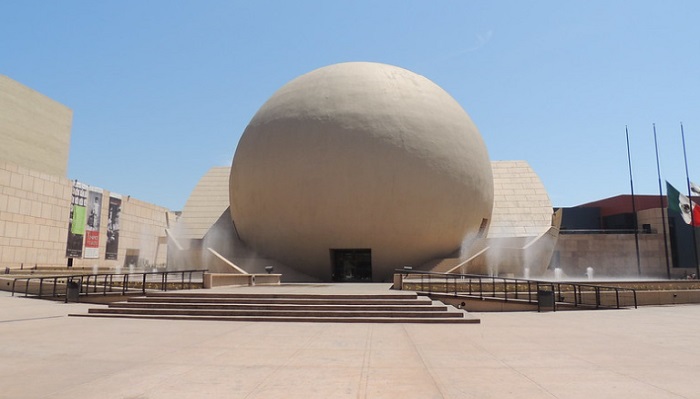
{"x":162,"y":90}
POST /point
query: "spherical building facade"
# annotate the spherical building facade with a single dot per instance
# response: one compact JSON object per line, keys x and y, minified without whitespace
{"x":355,"y":169}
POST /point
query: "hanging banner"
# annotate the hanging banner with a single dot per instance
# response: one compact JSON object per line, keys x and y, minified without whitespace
{"x":115,"y":208}
{"x":76,"y":220}
{"x":92,"y":224}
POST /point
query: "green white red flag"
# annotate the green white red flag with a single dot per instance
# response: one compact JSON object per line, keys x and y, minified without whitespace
{"x":694,"y":189}
{"x":689,"y":210}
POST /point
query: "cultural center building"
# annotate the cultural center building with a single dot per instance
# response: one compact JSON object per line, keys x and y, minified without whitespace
{"x":346,"y":173}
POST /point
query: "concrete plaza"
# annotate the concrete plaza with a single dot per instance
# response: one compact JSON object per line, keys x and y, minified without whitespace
{"x":651,"y":352}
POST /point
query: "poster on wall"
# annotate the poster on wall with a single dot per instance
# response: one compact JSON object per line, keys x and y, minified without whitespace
{"x":115,"y":208}
{"x":92,"y":223}
{"x":76,"y":220}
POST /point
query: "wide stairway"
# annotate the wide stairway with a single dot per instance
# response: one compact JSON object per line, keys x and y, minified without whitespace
{"x":403,"y":307}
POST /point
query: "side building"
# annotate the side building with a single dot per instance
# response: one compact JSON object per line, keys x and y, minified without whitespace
{"x":48,"y":220}
{"x":599,"y":237}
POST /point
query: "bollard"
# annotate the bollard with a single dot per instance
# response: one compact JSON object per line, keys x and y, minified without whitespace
{"x":72,"y":291}
{"x":545,"y":300}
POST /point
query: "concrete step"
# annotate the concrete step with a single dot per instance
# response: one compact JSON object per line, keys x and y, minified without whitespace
{"x":258,"y":295}
{"x":300,"y":301}
{"x":450,"y":320}
{"x":254,"y":306}
{"x":276,"y":313}
{"x":358,"y":308}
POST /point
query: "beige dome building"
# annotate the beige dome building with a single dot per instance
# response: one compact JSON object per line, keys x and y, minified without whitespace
{"x":355,"y":169}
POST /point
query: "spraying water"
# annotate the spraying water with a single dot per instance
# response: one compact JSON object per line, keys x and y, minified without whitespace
{"x":557,"y":273}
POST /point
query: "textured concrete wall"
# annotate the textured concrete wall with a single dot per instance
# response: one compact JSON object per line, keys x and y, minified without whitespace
{"x":142,"y":227}
{"x":206,"y":203}
{"x":521,"y":206}
{"x":34,"y":212}
{"x":610,"y":255}
{"x":34,"y":129}
{"x":615,"y":255}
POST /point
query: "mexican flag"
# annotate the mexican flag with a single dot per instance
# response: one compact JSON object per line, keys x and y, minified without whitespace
{"x":689,"y":210}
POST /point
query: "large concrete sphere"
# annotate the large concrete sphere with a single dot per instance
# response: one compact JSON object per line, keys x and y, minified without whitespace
{"x":360,"y":155}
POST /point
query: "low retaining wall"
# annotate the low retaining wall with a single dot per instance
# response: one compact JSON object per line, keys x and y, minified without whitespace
{"x":607,"y":300}
{"x":644,"y":298}
{"x":21,"y":287}
{"x":649,"y":293}
{"x":222,"y":279}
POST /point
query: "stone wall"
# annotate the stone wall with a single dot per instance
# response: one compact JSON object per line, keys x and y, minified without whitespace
{"x":34,"y":213}
{"x":142,"y":228}
{"x":614,"y":255}
{"x":610,"y":255}
{"x":34,"y":210}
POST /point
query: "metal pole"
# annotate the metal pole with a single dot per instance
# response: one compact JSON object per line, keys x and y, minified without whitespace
{"x":690,"y":198}
{"x":662,"y":208}
{"x":634,"y":206}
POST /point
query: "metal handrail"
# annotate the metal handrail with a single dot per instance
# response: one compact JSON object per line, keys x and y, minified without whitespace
{"x":462,"y":284}
{"x":88,"y":282}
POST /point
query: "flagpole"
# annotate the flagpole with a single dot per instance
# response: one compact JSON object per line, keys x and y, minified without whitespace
{"x":690,"y":198}
{"x":662,"y":208}
{"x":634,"y":206}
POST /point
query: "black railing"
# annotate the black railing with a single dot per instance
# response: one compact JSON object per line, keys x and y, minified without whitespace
{"x":592,"y":294}
{"x":102,"y":283}
{"x":545,"y":294}
{"x":607,"y":231}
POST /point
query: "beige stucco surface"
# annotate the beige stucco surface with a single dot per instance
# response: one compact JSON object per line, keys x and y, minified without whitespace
{"x":206,"y":203}
{"x":521,"y":206}
{"x":34,"y":129}
{"x":360,"y":155}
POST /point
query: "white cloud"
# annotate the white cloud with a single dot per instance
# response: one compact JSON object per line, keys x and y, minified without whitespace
{"x":482,"y":39}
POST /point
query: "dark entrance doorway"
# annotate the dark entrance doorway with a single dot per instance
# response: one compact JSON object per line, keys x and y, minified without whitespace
{"x":352,"y":265}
